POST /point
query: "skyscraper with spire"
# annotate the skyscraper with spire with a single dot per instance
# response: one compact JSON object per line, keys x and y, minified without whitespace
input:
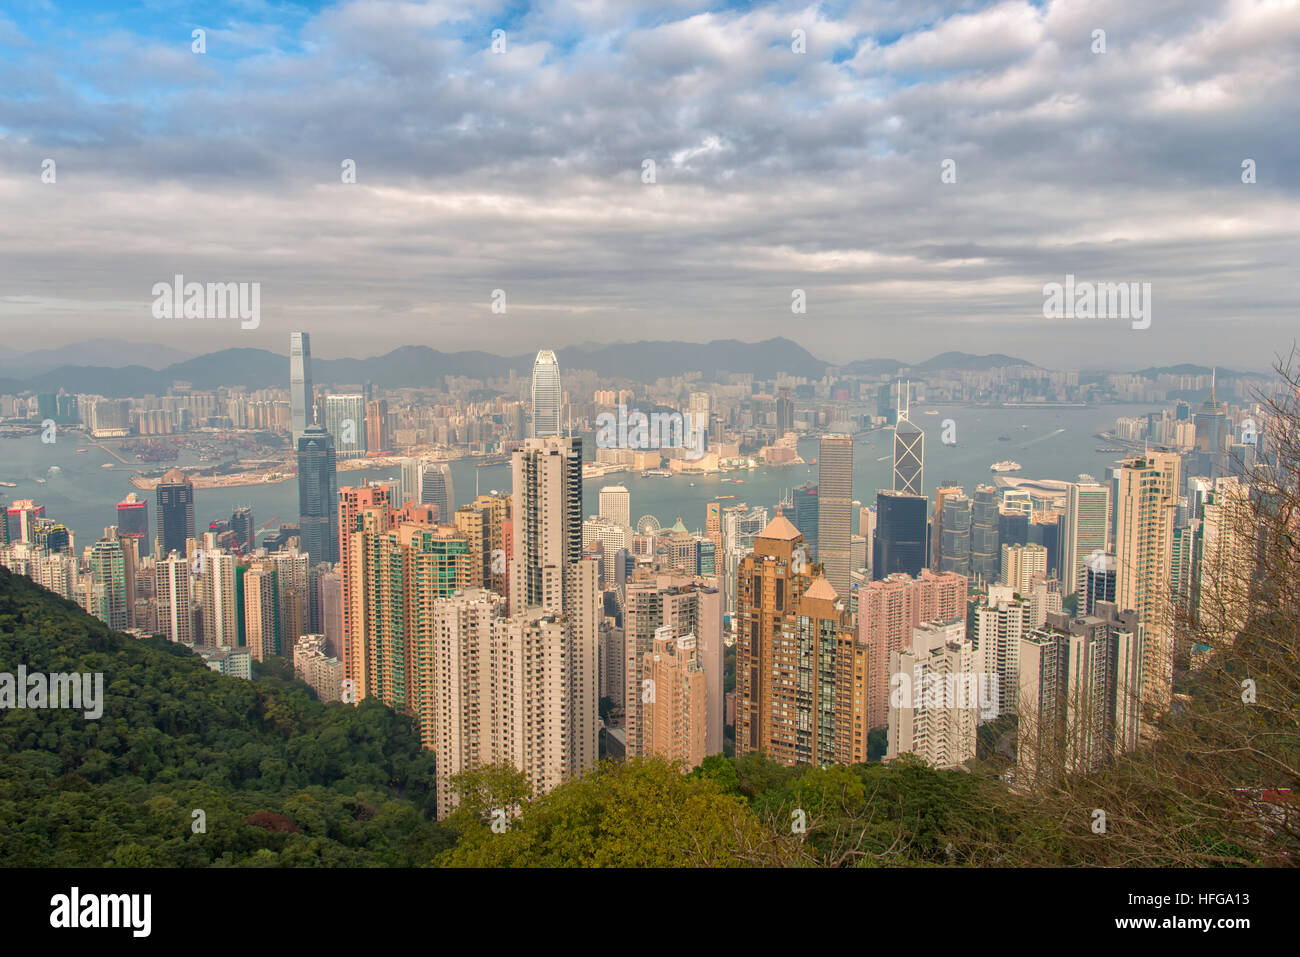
{"x":909,"y":448}
{"x":546,"y":395}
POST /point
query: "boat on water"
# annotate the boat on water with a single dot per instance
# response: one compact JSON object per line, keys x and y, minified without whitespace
{"x":1005,"y":466}
{"x":79,"y":451}
{"x":740,"y":481}
{"x":931,"y":411}
{"x":1004,"y":437}
{"x":692,"y":485}
{"x":107,"y":465}
{"x":725,"y":480}
{"x":9,"y":484}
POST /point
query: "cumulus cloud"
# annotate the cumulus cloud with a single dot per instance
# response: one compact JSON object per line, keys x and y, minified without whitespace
{"x":775,"y":170}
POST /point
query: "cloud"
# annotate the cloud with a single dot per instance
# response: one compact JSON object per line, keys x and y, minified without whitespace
{"x":776,"y":170}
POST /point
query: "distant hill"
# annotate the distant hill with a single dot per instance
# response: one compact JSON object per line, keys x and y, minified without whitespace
{"x":965,"y":362}
{"x":109,"y":353}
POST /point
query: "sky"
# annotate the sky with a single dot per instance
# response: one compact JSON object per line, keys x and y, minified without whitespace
{"x":523,"y":169}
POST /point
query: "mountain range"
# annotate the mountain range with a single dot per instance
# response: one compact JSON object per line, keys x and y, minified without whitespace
{"x":424,"y":367}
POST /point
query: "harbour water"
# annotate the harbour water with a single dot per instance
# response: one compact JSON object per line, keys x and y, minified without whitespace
{"x":1048,"y":443}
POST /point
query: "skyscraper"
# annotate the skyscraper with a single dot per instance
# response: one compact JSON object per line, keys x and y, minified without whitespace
{"x":616,"y":504}
{"x":377,"y":425}
{"x":133,"y":522}
{"x":546,"y":395}
{"x":435,"y":488}
{"x":1099,"y":581}
{"x":784,"y":412}
{"x":172,"y":584}
{"x":548,"y":571}
{"x":674,"y":715}
{"x":1020,"y":564}
{"x":936,"y":524}
{"x":1146,"y":508}
{"x":345,"y":420}
{"x":939,"y":731}
{"x":175,"y":497}
{"x":954,"y":548}
{"x":901,"y":525}
{"x":1087,"y":508}
{"x":834,"y":509}
{"x":302,"y":402}
{"x":805,"y":516}
{"x":107,"y":598}
{"x":318,"y":493}
{"x":909,"y":448}
{"x":985,"y":555}
{"x":242,"y":525}
{"x":219,"y":601}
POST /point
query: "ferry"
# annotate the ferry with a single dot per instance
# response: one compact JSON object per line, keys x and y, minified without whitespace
{"x":725,"y":480}
{"x":1004,"y":437}
{"x":931,"y":411}
{"x":79,"y":451}
{"x":9,"y":484}
{"x":1005,"y":466}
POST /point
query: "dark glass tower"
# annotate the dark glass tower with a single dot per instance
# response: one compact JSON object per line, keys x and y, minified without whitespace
{"x":804,"y":506}
{"x":902,"y":522}
{"x":318,"y":495}
{"x":954,"y":547}
{"x":241,"y":524}
{"x":985,"y":549}
{"x":175,"y":494}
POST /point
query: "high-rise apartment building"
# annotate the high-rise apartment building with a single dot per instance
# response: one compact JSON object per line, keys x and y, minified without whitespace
{"x":261,"y":610}
{"x":673,"y":705}
{"x":108,"y":599}
{"x":172,"y":583}
{"x":888,"y":610}
{"x":1021,"y":564}
{"x":218,"y":600}
{"x":377,"y":439}
{"x":547,"y":395}
{"x":1078,"y":696}
{"x":302,"y":400}
{"x":999,"y":621}
{"x":834,"y":509}
{"x":352,"y":501}
{"x":1146,"y":507}
{"x":676,"y":606}
{"x":934,"y":706}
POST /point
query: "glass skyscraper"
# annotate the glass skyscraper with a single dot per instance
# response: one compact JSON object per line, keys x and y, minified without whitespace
{"x":318,"y":494}
{"x":546,"y":394}
{"x":175,"y":494}
{"x":301,"y":402}
{"x":901,"y":534}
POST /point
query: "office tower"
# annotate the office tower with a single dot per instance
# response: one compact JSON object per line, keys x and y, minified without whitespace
{"x":784,"y":412}
{"x":954,"y":546}
{"x":243,"y":526}
{"x":901,"y":534}
{"x":435,"y":488}
{"x":1013,"y":527}
{"x":909,"y":449}
{"x":888,"y":610}
{"x":935,"y":708}
{"x":318,"y":529}
{"x":377,"y":439}
{"x":172,"y":583}
{"x":20,"y":520}
{"x":834,"y":507}
{"x":1099,"y":581}
{"x":1184,"y":578}
{"x":1226,"y":560}
{"x":1045,"y":530}
{"x":175,"y":498}
{"x":616,"y":504}
{"x":302,"y":399}
{"x":677,"y":605}
{"x":219,"y":601}
{"x":941,"y":495}
{"x":1045,"y":596}
{"x":805,"y":515}
{"x":345,"y":419}
{"x":1087,"y":509}
{"x":546,"y":395}
{"x":1146,"y":506}
{"x":108,"y":599}
{"x":713,"y":525}
{"x":1020,"y":564}
{"x":133,"y":522}
{"x":1211,"y":422}
{"x":496,"y":691}
{"x":985,"y":551}
{"x":858,"y":560}
{"x":409,"y":482}
{"x":673,"y":712}
{"x":998,"y":621}
{"x":261,"y":610}
{"x":1078,"y":696}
